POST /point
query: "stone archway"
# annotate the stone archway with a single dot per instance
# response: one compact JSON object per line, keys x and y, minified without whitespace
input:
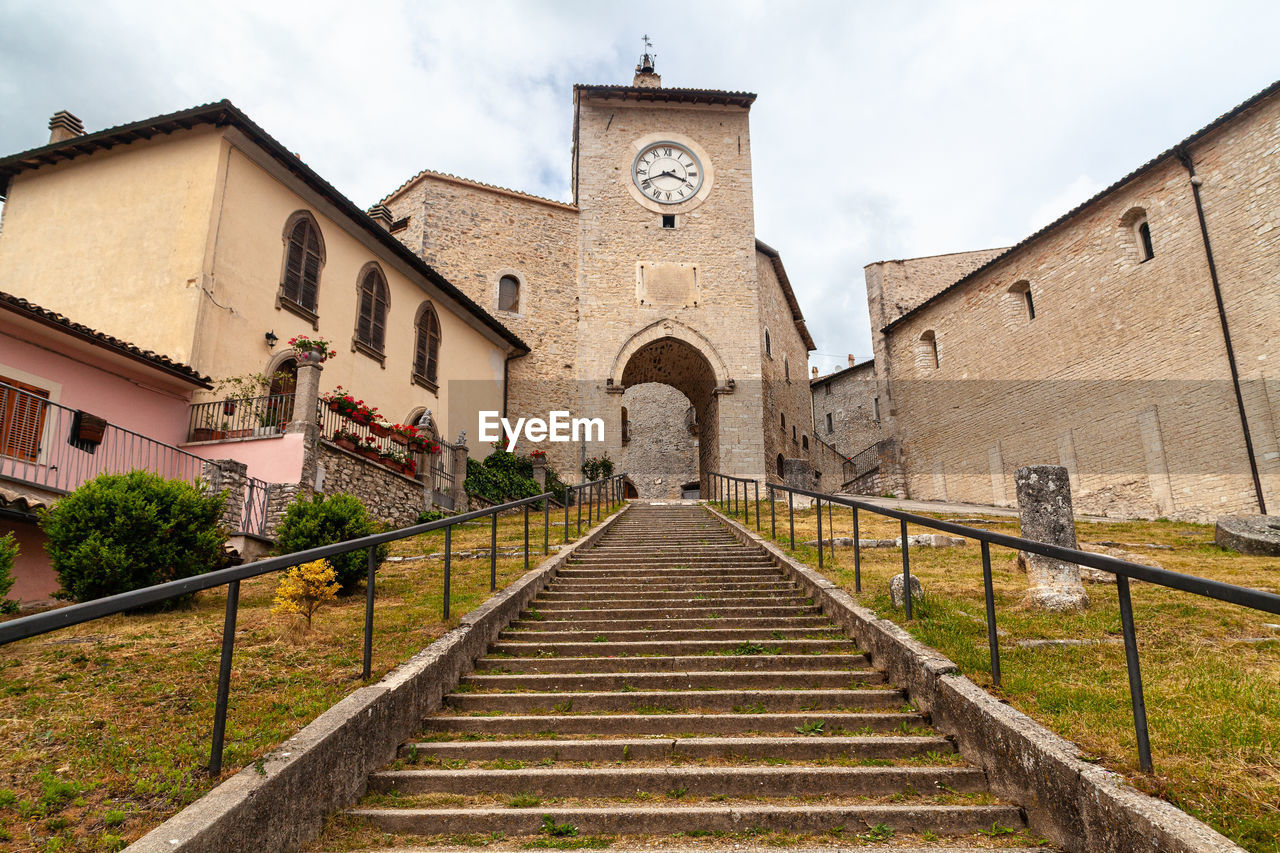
{"x":681,"y":364}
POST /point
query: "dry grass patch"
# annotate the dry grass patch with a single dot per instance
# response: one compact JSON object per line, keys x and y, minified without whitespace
{"x":105,"y":727}
{"x":1211,"y":670}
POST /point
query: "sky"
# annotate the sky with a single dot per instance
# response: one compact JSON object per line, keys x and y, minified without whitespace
{"x":882,"y":129}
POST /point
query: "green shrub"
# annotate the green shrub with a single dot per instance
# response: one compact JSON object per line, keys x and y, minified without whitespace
{"x":501,"y":477}
{"x":324,"y":520}
{"x":429,"y":515}
{"x":127,"y":531}
{"x":8,"y":553}
{"x":597,"y":468}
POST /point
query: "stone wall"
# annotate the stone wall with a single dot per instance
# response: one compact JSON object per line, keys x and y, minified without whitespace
{"x":850,"y":397}
{"x":390,"y":497}
{"x":662,"y":454}
{"x":1122,"y":375}
{"x":785,"y":377}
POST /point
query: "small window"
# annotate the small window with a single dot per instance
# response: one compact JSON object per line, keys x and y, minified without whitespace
{"x":804,"y":442}
{"x":426,"y":350}
{"x":779,"y":464}
{"x":786,"y":368}
{"x":784,"y":420}
{"x":875,"y":407}
{"x":626,"y":426}
{"x":1021,"y":291}
{"x":927,"y":352}
{"x":1144,"y":240}
{"x":509,"y":294}
{"x":668,"y":220}
{"x":768,"y":344}
{"x":793,"y":434}
{"x":827,"y":389}
{"x":830,"y":426}
{"x":371,"y":324}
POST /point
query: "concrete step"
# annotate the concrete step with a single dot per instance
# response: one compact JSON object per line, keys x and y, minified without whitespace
{"x":694,"y":781}
{"x":661,"y":701}
{"x":684,"y":610}
{"x":692,"y":634}
{"x":631,"y":725}
{"x":535,"y":645}
{"x":642,"y":820}
{"x":675,"y":622}
{"x":684,"y":663}
{"x":674,"y":570}
{"x":796,"y":748}
{"x":604,"y":588}
{"x":650,"y":681}
{"x":641,"y":598}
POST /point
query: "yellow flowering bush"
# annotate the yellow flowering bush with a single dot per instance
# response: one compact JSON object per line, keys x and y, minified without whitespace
{"x":305,"y":587}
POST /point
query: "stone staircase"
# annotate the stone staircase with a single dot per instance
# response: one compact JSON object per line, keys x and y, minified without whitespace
{"x":671,"y":683}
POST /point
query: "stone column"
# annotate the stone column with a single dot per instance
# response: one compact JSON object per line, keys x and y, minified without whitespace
{"x":305,"y":398}
{"x":230,"y":476}
{"x":540,"y":473}
{"x":459,"y":491}
{"x":1044,"y":511}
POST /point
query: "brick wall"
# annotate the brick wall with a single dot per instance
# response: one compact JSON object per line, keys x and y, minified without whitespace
{"x":1122,"y":376}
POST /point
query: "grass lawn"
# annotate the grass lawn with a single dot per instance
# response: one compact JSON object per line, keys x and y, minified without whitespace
{"x":105,"y":726}
{"x":1211,"y":670}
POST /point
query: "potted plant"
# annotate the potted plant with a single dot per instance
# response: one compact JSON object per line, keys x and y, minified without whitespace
{"x":312,"y":350}
{"x":369,"y":449}
{"x":346,"y":439}
{"x":340,"y":400}
{"x":379,"y":427}
{"x":403,"y":434}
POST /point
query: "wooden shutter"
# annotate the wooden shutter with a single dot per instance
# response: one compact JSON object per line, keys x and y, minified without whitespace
{"x":420,"y":345}
{"x":433,"y":343}
{"x":294,"y":261}
{"x":310,"y":269}
{"x":378,"y":327}
{"x":364,"y":323}
{"x":21,"y":420}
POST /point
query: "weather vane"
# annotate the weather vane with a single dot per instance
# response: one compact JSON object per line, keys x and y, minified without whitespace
{"x":646,"y":61}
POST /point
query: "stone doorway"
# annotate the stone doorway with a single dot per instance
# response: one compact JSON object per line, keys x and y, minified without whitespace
{"x":673,"y":362}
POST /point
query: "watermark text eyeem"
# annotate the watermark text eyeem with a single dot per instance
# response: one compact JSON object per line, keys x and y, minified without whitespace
{"x":559,"y":427}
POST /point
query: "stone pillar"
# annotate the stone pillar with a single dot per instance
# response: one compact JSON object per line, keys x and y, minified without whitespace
{"x":1045,"y":514}
{"x":305,"y":399}
{"x":540,"y":473}
{"x":459,"y":491}
{"x":230,"y":476}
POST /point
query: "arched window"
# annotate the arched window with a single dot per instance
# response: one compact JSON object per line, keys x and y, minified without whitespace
{"x":779,"y":464}
{"x":1021,"y":292}
{"x":927,"y":351}
{"x":768,"y":344}
{"x":426,"y":348}
{"x":804,"y":442}
{"x":509,"y":294}
{"x":371,"y":320}
{"x":303,"y":260}
{"x":1135,"y":222}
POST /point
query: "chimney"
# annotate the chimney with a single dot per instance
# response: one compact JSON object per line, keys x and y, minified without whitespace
{"x":851,"y":359}
{"x":381,"y":214}
{"x":815,"y":373}
{"x":64,"y":126}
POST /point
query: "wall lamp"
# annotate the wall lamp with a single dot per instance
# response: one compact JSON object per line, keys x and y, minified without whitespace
{"x":271,"y":339}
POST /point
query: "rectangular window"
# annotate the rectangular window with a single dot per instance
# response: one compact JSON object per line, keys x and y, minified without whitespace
{"x":668,"y":220}
{"x":21,"y":419}
{"x":875,"y":406}
{"x":830,"y":427}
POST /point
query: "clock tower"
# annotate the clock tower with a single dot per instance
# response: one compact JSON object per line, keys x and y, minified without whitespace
{"x":646,"y":301}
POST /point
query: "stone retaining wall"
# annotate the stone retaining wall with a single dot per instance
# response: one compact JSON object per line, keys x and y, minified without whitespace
{"x":390,"y":497}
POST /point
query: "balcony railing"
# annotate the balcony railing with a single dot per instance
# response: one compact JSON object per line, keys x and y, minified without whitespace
{"x":239,"y":417}
{"x":57,"y":449}
{"x":439,"y":466}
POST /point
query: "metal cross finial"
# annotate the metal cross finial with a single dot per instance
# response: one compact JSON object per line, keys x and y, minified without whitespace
{"x":647,"y":44}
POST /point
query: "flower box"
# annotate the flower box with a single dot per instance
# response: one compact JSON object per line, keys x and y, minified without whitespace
{"x":207,"y":434}
{"x":345,"y":443}
{"x":370,"y":453}
{"x":399,"y":438}
{"x":380,"y":430}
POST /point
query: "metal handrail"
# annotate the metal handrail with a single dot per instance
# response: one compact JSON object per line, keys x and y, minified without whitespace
{"x":720,"y":485}
{"x":605,"y":491}
{"x":1122,"y":569}
{"x":75,"y":614}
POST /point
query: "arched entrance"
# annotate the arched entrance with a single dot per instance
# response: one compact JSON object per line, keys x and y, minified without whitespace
{"x":682,"y":364}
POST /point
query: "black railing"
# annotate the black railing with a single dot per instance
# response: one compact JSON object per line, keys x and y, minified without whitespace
{"x":598,"y":496}
{"x":59,"y":449}
{"x":731,"y":493}
{"x":1124,"y":570}
{"x":75,"y":614}
{"x":239,"y":417}
{"x":862,"y":463}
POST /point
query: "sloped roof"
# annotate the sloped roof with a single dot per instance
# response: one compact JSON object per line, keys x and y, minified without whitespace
{"x":430,"y":173}
{"x":223,"y":114}
{"x":797,"y":316}
{"x":1221,"y":120}
{"x":31,"y":311}
{"x":667,"y":95}
{"x":836,"y":374}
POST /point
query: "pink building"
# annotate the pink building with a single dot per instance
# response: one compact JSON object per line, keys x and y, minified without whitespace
{"x":76,"y":403}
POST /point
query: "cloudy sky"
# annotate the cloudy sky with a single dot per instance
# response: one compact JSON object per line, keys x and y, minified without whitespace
{"x":882,"y":129}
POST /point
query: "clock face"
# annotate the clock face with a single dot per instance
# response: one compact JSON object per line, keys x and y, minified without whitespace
{"x":667,"y":173}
